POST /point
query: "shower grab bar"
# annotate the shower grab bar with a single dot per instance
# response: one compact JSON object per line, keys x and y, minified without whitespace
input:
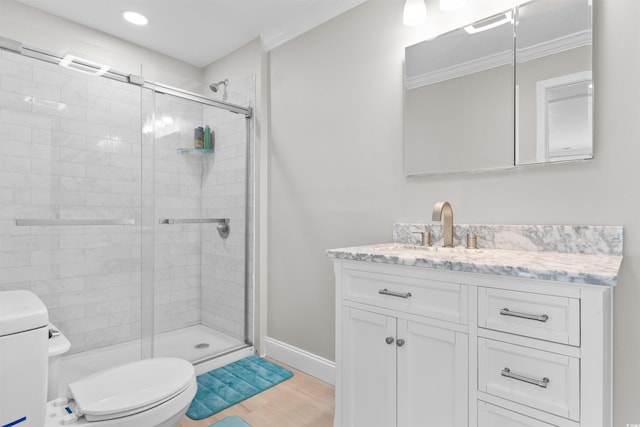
{"x":65,"y":222}
{"x":194,"y":220}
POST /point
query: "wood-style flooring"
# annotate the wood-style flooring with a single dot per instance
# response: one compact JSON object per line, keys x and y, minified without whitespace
{"x":301,"y":401}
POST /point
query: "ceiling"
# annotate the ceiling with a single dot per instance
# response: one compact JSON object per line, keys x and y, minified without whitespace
{"x":199,"y":32}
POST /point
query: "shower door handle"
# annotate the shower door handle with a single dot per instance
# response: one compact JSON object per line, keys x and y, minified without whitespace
{"x":65,"y":222}
{"x":223,"y":223}
{"x":171,"y":221}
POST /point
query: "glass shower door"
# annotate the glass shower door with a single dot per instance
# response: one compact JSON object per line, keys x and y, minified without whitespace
{"x":71,"y":199}
{"x":196,"y":277}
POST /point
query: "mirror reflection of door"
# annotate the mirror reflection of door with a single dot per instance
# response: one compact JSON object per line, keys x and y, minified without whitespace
{"x":564,"y":122}
{"x":554,"y":98}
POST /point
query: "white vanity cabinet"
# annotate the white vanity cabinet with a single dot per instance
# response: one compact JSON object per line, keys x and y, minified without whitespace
{"x":398,"y":372}
{"x":426,"y":347}
{"x":402,"y":351}
{"x":544,"y":354}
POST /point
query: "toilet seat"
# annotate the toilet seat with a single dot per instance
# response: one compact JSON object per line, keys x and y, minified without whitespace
{"x":129,"y":389}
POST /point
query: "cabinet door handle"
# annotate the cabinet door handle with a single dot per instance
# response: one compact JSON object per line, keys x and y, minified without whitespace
{"x":506,"y":372}
{"x":389,"y":340}
{"x":538,"y":317}
{"x":394,"y":294}
{"x":400,"y":342}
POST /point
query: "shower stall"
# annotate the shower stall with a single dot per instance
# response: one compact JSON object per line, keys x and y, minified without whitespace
{"x":139,"y":244}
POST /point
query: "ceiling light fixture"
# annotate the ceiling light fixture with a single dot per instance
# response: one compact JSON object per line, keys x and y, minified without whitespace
{"x":415,"y":13}
{"x":450,"y":5}
{"x":489,"y":23}
{"x":83,"y":65}
{"x":135,"y":17}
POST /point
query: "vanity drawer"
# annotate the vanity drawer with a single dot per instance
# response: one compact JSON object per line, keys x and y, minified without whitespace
{"x":545,"y":381}
{"x":546,"y":317}
{"x":429,"y":298}
{"x":494,"y":416}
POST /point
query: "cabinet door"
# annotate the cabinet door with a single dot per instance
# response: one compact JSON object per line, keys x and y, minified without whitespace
{"x":368,"y":369}
{"x":432,"y":376}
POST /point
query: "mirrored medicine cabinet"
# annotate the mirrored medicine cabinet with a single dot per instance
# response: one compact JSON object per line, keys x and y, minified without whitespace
{"x":511,"y":89}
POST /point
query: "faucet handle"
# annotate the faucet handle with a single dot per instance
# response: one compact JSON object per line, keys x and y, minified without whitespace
{"x":472,"y":241}
{"x":425,"y":237}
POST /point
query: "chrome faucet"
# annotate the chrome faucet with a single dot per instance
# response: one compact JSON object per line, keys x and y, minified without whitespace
{"x":439,"y":209}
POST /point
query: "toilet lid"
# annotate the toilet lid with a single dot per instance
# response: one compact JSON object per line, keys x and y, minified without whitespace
{"x":130,"y":388}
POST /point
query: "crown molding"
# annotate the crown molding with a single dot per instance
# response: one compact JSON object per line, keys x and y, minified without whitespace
{"x":460,"y":70}
{"x":560,"y":44}
{"x":309,"y":20}
{"x":551,"y":47}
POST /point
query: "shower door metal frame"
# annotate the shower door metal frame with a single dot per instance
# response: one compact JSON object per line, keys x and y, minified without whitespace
{"x":17,"y":47}
{"x":248,"y":114}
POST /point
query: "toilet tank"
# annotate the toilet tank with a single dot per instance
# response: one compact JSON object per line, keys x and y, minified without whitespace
{"x":23,"y":359}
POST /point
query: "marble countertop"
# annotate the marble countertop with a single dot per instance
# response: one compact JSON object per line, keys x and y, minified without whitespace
{"x":595,"y":269}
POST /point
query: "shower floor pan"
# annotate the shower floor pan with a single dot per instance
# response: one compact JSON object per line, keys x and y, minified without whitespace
{"x":187,"y":343}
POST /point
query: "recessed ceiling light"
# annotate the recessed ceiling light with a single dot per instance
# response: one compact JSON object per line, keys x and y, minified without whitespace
{"x":135,"y":17}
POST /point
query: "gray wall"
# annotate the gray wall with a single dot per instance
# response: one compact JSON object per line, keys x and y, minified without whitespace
{"x":461,"y":124}
{"x":336,"y":170}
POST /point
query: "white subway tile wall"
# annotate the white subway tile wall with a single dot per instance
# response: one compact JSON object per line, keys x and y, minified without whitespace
{"x":71,"y":148}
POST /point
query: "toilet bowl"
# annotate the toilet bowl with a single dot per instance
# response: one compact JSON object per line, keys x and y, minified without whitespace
{"x":151,"y":392}
{"x":146,"y":393}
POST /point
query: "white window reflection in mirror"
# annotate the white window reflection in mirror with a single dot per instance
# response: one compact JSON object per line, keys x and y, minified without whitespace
{"x":565,"y":109}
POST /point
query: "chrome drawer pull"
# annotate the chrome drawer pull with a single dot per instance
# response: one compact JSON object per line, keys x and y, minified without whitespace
{"x":539,"y":318}
{"x":506,"y":372}
{"x":394,"y":294}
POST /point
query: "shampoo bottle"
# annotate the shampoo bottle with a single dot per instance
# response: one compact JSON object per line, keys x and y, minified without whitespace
{"x":198,"y":137}
{"x":207,"y":138}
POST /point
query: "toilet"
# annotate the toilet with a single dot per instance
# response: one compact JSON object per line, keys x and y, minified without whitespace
{"x":149,"y":393}
{"x":59,"y":345}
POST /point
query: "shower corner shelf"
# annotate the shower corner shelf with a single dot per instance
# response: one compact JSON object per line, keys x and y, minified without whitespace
{"x":195,"y":150}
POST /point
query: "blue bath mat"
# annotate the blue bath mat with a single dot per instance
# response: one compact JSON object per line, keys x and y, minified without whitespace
{"x":232,"y":421}
{"x":233,"y":383}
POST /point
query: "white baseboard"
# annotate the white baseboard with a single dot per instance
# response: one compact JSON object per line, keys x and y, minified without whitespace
{"x":301,"y":360}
